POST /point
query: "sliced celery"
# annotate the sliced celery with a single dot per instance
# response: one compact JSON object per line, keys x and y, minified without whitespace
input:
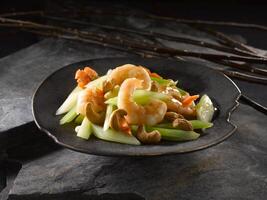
{"x":205,"y":109}
{"x":112,"y":101}
{"x":79,"y":119}
{"x":70,"y":102}
{"x":182,"y":92}
{"x":197,"y":124}
{"x":85,"y":130}
{"x":165,"y":125}
{"x":109,"y":111}
{"x":69,"y":116}
{"x":114,"y":136}
{"x":142,"y":97}
{"x":97,"y":83}
{"x":162,"y":81}
{"x":175,"y":134}
{"x":77,"y":129}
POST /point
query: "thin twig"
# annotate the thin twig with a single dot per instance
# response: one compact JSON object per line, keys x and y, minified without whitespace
{"x":254,"y":104}
{"x":226,"y":39}
{"x":129,"y":44}
{"x":152,"y":34}
{"x":234,"y":74}
{"x":77,"y":38}
{"x":233,"y":24}
{"x":178,"y":20}
{"x":244,"y":76}
{"x":185,"y":21}
{"x":15,"y":14}
{"x":242,"y":66}
{"x":221,"y":36}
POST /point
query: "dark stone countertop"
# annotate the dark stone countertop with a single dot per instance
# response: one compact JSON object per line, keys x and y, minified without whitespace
{"x":234,"y":169}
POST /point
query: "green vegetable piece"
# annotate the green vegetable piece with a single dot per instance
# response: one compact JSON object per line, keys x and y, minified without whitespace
{"x":70,"y":102}
{"x":69,"y":116}
{"x":142,"y":97}
{"x":79,"y":119}
{"x":85,"y":129}
{"x":165,"y":125}
{"x":112,"y":101}
{"x":205,"y":109}
{"x":109,"y":111}
{"x":198,"y":124}
{"x":162,"y":81}
{"x":97,"y":83}
{"x":175,"y":134}
{"x":114,"y":136}
{"x":182,"y":92}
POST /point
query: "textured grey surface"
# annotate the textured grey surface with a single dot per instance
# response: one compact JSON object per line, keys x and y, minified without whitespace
{"x":235,"y":169}
{"x":20,"y":74}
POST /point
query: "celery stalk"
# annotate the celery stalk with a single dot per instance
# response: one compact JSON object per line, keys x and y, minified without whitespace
{"x":79,"y":119}
{"x":182,"y":92}
{"x":97,"y":83}
{"x":165,"y":125}
{"x":141,"y":97}
{"x":85,"y":130}
{"x":162,"y":81}
{"x":69,"y":116}
{"x":197,"y":124}
{"x":109,"y":111}
{"x":205,"y":109}
{"x":70,"y":102}
{"x":175,"y":134}
{"x":114,"y":136}
{"x":77,"y":129}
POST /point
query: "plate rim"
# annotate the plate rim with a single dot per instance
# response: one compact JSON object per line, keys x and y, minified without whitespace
{"x":232,"y":108}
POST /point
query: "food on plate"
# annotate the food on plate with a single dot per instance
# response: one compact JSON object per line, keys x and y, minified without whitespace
{"x":132,"y":105}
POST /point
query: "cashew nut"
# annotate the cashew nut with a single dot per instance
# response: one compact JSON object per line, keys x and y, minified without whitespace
{"x":171,"y":116}
{"x":93,"y":116}
{"x":152,"y":137}
{"x":118,"y":121}
{"x":178,"y":121}
{"x":182,"y":124}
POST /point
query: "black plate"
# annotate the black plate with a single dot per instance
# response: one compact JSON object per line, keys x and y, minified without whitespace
{"x":195,"y":78}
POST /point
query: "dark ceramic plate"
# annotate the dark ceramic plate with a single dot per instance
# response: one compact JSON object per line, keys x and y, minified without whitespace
{"x":192,"y":77}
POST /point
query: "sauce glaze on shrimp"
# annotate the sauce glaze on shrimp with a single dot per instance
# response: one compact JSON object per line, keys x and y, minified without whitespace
{"x":149,"y":114}
{"x":119,"y":74}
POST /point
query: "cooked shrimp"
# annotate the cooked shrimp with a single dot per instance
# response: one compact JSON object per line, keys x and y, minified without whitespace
{"x":85,"y":76}
{"x":176,"y":106}
{"x":149,"y":114}
{"x":119,"y":74}
{"x":94,"y":96}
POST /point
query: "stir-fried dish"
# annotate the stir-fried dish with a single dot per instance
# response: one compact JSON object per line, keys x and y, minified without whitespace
{"x":132,"y":105}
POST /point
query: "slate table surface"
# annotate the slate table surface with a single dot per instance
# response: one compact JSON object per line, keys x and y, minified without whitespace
{"x":234,"y":169}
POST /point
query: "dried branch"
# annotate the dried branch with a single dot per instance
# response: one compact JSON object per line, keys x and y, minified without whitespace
{"x":226,"y":39}
{"x":178,"y":20}
{"x":242,"y":66}
{"x":233,"y":74}
{"x":246,"y":77}
{"x":152,"y":34}
{"x":141,"y":53}
{"x":133,"y":45}
{"x":239,"y":48}
{"x":231,"y":43}
{"x":219,"y":35}
{"x":15,"y":14}
{"x":254,"y":104}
